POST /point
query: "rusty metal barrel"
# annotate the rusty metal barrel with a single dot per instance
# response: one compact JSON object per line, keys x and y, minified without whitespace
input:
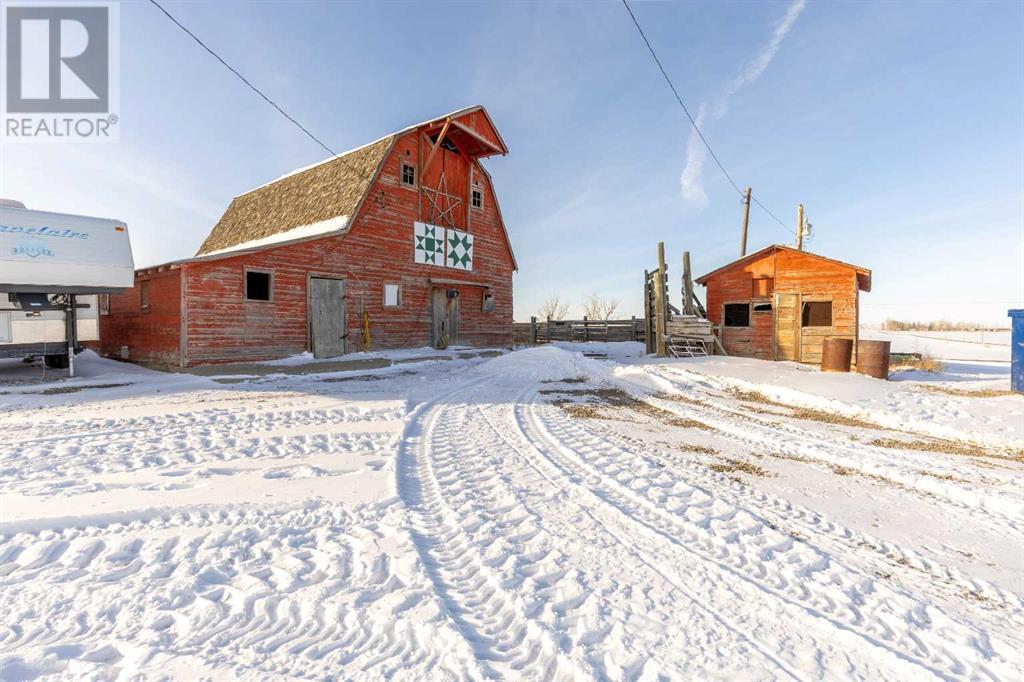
{"x":873,"y":358}
{"x":836,"y":354}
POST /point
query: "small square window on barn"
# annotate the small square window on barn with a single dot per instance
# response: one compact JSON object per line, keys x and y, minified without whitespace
{"x":737,"y":315}
{"x":258,"y":285}
{"x":408,"y":174}
{"x":477,"y":198}
{"x":392,"y":295}
{"x":144,"y":294}
{"x":817,"y":314}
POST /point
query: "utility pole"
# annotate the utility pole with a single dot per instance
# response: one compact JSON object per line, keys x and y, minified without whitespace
{"x":746,"y":221}
{"x":800,"y":227}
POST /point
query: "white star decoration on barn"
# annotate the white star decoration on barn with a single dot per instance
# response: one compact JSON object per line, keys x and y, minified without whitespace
{"x":442,"y":204}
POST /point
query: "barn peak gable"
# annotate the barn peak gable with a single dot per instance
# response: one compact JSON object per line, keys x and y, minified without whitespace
{"x":323,"y":199}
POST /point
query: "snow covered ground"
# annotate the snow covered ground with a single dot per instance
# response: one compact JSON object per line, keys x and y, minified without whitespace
{"x":546,"y":514}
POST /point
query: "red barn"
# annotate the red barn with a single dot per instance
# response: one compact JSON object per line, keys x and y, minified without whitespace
{"x":781,"y":304}
{"x":399,"y":243}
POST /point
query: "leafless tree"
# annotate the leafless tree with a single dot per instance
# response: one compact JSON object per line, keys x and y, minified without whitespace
{"x":598,"y":308}
{"x":553,"y":308}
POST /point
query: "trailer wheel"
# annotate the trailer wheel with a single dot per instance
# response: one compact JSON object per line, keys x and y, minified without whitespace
{"x":57,"y":361}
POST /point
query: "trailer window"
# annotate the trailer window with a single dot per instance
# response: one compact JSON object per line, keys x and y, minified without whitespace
{"x":737,"y":315}
{"x":257,"y":285}
{"x":144,"y":294}
{"x":817,"y":314}
{"x":392,"y":295}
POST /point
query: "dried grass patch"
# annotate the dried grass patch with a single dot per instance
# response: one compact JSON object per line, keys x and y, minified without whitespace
{"x":922,"y":363}
{"x":805,"y":413}
{"x":729,"y":465}
{"x":962,"y":393}
{"x":617,"y":398}
{"x":947,"y":447}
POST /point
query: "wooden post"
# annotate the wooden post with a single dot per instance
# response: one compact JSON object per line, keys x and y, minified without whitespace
{"x":549,"y":329}
{"x":800,"y":227}
{"x":586,"y":330}
{"x":687,"y":285}
{"x":746,"y":222}
{"x":659,"y":303}
{"x":648,"y":295}
{"x":632,"y":328}
{"x":533,"y":331}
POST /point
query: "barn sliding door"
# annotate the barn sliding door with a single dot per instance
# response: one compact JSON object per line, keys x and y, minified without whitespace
{"x":787,"y":327}
{"x":327,"y":316}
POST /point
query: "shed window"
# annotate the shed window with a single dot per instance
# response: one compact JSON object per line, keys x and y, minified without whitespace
{"x":737,"y":314}
{"x":408,"y":174}
{"x":762,"y":307}
{"x":392,"y":295}
{"x":257,"y":285}
{"x":817,"y":314}
{"x":477,"y":198}
{"x":103,"y":303}
{"x":144,"y":294}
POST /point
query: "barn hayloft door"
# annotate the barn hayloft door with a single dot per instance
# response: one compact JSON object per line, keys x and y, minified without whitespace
{"x":444,"y":317}
{"x":327,"y":316}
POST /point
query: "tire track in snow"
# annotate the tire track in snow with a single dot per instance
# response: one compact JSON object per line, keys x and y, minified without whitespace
{"x":800,"y":581}
{"x":493,"y":621}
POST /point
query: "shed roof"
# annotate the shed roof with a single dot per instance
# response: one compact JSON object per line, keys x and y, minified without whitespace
{"x":307,"y":201}
{"x":863,"y":274}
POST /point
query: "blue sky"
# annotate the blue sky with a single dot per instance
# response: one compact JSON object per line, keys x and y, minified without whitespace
{"x":899,"y":126}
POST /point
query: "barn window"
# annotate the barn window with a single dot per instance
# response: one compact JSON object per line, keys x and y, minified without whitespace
{"x":392,"y":295}
{"x":817,"y":314}
{"x":408,"y":174}
{"x":762,"y":307}
{"x":258,"y":285}
{"x":477,"y":198}
{"x":762,"y":287}
{"x":144,"y":294}
{"x":103,"y":303}
{"x":737,"y":314}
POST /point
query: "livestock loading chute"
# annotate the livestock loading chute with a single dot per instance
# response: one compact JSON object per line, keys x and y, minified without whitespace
{"x":53,"y":267}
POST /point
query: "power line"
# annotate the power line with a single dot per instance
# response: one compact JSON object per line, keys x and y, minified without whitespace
{"x":247,"y":82}
{"x":696,"y":128}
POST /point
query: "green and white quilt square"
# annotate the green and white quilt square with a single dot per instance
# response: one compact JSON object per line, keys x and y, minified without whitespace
{"x":428,"y":242}
{"x":460,"y":250}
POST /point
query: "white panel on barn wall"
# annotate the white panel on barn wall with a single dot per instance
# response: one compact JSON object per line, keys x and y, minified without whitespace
{"x":428,"y":243}
{"x":460,"y":250}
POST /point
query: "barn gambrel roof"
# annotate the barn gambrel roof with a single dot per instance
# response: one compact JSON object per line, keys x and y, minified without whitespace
{"x":322,"y":200}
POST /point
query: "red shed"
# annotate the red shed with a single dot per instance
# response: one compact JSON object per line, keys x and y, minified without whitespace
{"x":400,"y":242}
{"x":781,"y":304}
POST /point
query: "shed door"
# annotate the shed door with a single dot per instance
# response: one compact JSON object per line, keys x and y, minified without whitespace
{"x":787,"y":327}
{"x":445,"y":317}
{"x":327,"y":316}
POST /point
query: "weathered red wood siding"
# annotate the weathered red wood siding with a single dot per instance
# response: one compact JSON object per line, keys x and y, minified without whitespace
{"x":378,"y":249}
{"x":813,"y":279}
{"x":151,"y":334}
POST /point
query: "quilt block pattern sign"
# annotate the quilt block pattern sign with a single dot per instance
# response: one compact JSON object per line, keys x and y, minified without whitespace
{"x":435,"y":245}
{"x":460,"y":250}
{"x":428,"y":243}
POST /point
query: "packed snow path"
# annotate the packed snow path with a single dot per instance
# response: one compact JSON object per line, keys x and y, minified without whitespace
{"x":308,"y":529}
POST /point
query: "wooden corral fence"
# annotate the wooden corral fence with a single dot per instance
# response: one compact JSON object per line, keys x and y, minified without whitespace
{"x":544,"y":331}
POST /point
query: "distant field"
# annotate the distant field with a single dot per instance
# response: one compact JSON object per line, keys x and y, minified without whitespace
{"x":987,"y":346}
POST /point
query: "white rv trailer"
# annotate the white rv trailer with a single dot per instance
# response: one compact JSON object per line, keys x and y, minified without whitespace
{"x":52,"y":267}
